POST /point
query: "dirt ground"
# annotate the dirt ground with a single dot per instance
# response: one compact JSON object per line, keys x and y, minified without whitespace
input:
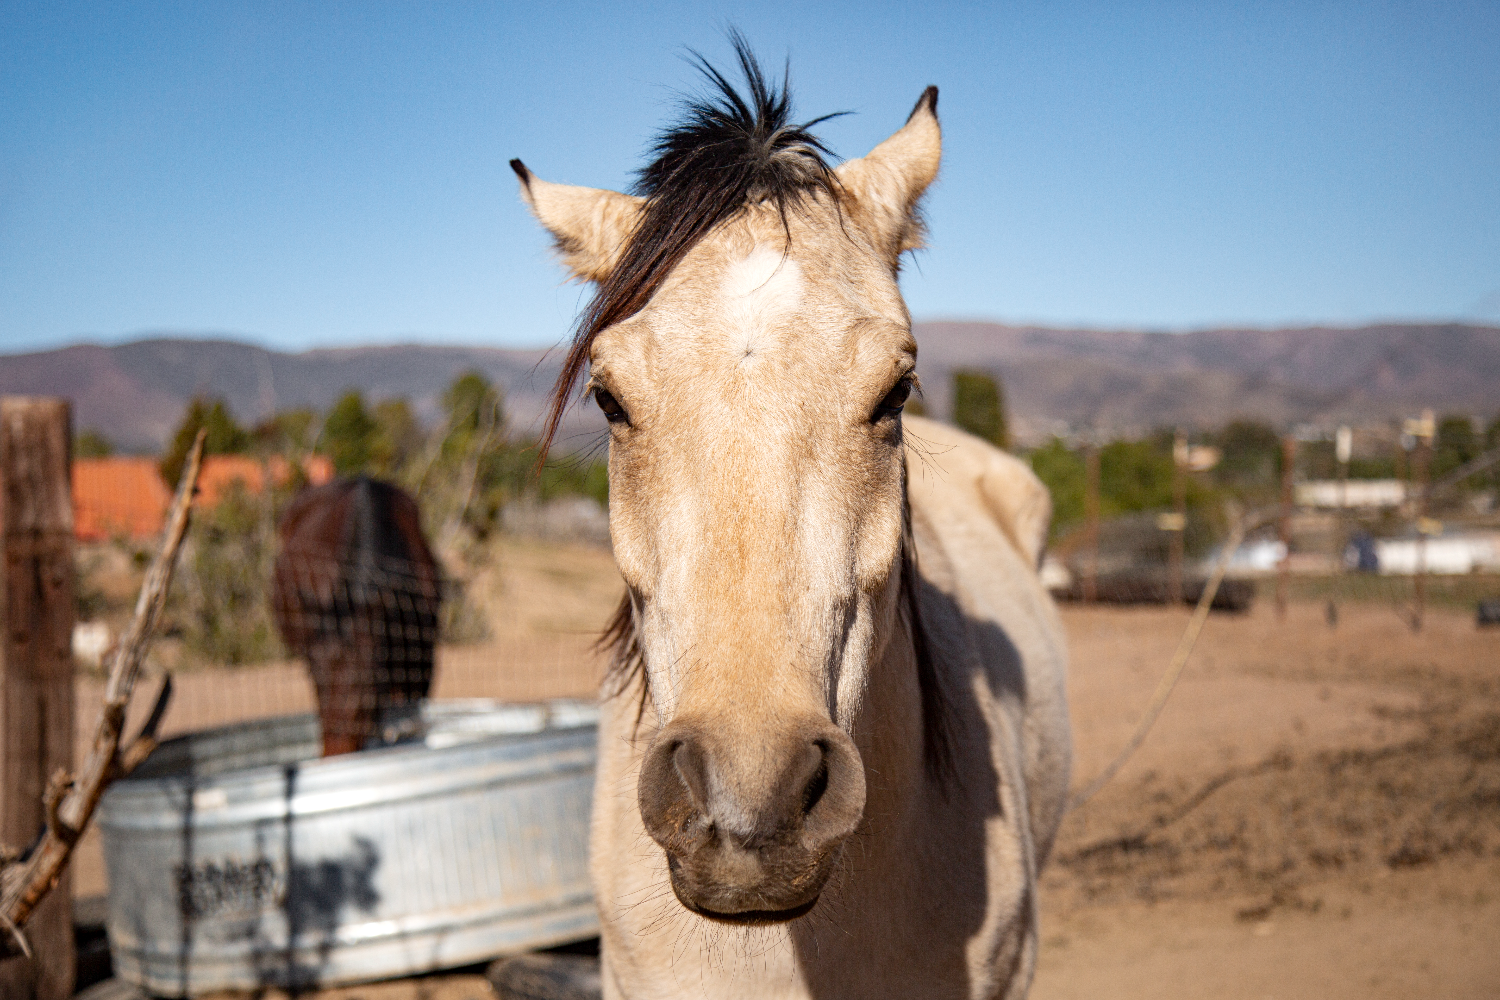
{"x":1315,"y":814}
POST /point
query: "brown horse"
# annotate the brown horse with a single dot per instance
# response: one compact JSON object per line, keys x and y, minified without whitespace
{"x":355,"y":592}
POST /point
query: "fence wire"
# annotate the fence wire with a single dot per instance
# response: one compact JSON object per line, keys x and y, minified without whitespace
{"x":1391,"y":558}
{"x":366,"y":628}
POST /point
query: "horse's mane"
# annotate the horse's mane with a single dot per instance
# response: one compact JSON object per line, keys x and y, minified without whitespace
{"x":727,"y":152}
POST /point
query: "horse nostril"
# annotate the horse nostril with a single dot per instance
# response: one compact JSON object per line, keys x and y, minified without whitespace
{"x":833,"y":799}
{"x":673,"y":791}
{"x":816,"y":786}
{"x":688,"y":765}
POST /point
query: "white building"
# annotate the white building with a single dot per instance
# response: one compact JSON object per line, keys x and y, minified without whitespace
{"x":1445,"y":555}
{"x":1363,"y":493}
{"x":1259,"y":556}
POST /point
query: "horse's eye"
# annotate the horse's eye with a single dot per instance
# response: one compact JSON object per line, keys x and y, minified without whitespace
{"x":893,"y":401}
{"x":613,"y":411}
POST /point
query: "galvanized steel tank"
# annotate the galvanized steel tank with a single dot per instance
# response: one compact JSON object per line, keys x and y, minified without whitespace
{"x":237,"y":859}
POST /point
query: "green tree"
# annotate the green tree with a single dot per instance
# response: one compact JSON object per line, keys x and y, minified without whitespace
{"x":1134,"y":476}
{"x":221,"y":595}
{"x":225,"y":437}
{"x":349,"y":434}
{"x":286,"y":431}
{"x":477,"y":461}
{"x":397,"y":438}
{"x":1456,"y":443}
{"x":1063,"y":472}
{"x":1250,"y":459}
{"x":472,"y":404}
{"x":979,"y":406}
{"x":1317,"y":459}
{"x":92,"y":444}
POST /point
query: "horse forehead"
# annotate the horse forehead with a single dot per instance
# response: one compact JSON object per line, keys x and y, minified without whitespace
{"x":749,"y":297}
{"x":765,"y":273}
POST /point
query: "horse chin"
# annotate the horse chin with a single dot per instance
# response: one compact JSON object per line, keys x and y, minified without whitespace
{"x":745,"y":906}
{"x":749,"y":918}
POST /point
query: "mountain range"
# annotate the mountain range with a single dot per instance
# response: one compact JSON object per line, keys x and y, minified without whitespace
{"x":1127,"y":381}
{"x":1119,"y":381}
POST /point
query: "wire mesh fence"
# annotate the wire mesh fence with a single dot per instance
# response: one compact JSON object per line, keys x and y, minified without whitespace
{"x":366,"y":627}
{"x":1407,"y":562}
{"x":516,"y":620}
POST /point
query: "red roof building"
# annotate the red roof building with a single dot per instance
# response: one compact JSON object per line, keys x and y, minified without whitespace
{"x":126,"y":498}
{"x":118,"y":498}
{"x":222,"y":471}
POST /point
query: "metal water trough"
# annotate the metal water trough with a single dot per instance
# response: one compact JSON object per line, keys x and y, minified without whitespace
{"x":237,"y":859}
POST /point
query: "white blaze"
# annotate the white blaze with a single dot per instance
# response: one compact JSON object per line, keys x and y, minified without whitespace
{"x":757,"y":290}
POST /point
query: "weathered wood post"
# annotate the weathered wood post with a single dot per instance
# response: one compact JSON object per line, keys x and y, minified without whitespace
{"x":1426,"y":432}
{"x":1343,"y":451}
{"x":36,"y":665}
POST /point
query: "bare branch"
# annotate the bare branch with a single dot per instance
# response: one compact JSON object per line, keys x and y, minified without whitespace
{"x":70,"y":807}
{"x":145,"y":741}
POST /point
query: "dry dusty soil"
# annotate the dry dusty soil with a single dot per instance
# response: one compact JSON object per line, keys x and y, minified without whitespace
{"x":1315,"y":814}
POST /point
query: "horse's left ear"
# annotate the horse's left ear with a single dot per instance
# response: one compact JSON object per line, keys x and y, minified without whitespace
{"x":888,"y":182}
{"x":591,"y":226}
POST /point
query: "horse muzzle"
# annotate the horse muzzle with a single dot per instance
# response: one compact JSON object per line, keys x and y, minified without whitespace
{"x":751,"y":826}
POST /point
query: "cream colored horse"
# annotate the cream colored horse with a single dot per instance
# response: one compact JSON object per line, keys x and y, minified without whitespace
{"x":842,"y":749}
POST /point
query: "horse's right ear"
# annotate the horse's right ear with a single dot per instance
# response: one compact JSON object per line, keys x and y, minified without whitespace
{"x":888,"y":182}
{"x":590,"y":226}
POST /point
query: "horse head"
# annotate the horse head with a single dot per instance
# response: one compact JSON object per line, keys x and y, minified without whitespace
{"x":751,"y":350}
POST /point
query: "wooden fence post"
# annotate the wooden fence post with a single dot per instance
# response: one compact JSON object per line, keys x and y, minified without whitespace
{"x":1423,"y":462}
{"x":36,"y":665}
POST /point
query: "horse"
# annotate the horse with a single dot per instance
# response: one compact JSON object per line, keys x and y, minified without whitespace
{"x":834,"y":743}
{"x":355,"y":591}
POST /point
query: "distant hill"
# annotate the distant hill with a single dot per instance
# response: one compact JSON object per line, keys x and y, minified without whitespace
{"x":135,"y":393}
{"x":1122,"y":380}
{"x":1135,"y":381}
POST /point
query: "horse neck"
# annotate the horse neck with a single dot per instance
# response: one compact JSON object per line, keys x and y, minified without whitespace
{"x":891,"y":726}
{"x":367,"y":537}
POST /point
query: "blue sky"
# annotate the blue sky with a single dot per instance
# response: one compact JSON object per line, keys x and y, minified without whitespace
{"x":317,"y":174}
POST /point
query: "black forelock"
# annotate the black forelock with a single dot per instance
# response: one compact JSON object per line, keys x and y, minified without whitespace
{"x":728,"y":150}
{"x":735,"y":149}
